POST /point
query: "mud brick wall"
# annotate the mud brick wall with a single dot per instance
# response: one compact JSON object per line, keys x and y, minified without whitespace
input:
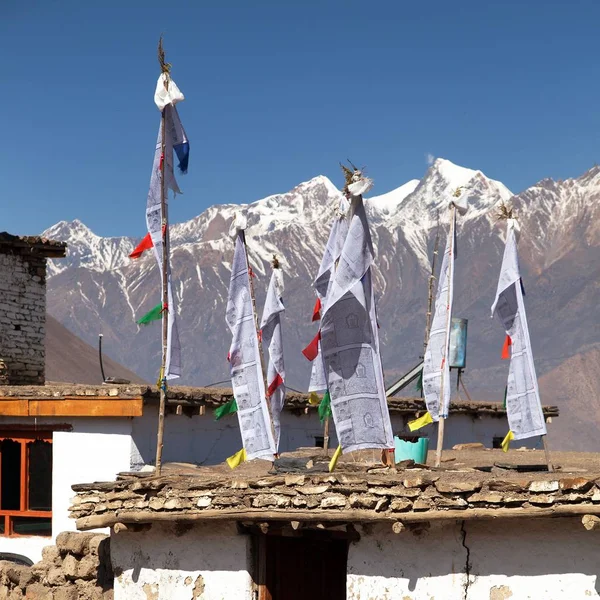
{"x":22,"y":317}
{"x":77,"y":568}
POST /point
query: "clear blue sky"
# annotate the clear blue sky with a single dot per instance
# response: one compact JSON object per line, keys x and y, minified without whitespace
{"x":279,"y":91}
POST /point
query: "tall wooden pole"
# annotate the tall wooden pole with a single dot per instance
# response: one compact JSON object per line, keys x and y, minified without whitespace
{"x":441,"y":420}
{"x":259,"y":336}
{"x":165,"y":278}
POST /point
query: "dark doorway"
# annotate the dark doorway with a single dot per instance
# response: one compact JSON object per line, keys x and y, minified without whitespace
{"x":302,"y":568}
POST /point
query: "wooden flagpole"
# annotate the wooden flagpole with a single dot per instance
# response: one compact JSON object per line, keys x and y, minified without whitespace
{"x":258,"y":335}
{"x":441,"y":420}
{"x":165,"y":276}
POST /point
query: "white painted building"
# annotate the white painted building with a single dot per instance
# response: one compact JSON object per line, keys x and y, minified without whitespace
{"x":91,"y":433}
{"x":508,"y":559}
{"x":287,"y":532}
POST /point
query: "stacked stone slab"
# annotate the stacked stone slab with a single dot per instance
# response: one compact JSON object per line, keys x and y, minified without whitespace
{"x":23,"y":307}
{"x":77,"y":568}
{"x":411,"y":495}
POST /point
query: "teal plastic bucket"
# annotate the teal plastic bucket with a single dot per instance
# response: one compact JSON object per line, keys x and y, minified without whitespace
{"x":414,"y":449}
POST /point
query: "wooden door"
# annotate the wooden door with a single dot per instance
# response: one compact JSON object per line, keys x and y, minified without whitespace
{"x":302,"y":568}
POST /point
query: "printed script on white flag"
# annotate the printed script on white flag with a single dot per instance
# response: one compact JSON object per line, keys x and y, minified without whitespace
{"x":272,"y":341}
{"x":436,"y":369}
{"x":322,"y":283}
{"x":155,"y":228}
{"x":350,"y":344}
{"x":523,"y":404}
{"x":245,"y":364}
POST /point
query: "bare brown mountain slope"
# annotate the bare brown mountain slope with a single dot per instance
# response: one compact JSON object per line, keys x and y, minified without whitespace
{"x":70,"y":359}
{"x":573,"y":385}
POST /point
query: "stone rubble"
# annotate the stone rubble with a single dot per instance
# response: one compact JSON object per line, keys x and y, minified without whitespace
{"x":77,"y":568}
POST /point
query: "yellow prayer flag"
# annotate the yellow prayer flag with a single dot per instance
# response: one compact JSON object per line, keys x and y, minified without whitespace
{"x":313,"y":399}
{"x":420,"y":422}
{"x":334,"y":458}
{"x":237,"y":459}
{"x":506,"y":441}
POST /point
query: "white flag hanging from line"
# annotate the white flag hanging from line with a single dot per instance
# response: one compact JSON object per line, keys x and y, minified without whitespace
{"x":245,"y":364}
{"x":273,"y":346}
{"x":436,"y":369}
{"x":523,"y":405}
{"x":350,"y":342}
{"x":157,"y":224}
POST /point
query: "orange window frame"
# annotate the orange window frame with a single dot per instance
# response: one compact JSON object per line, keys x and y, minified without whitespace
{"x":23,"y":438}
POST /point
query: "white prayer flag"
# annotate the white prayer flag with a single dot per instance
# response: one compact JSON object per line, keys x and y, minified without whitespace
{"x":350,"y":343}
{"x":272,"y":340}
{"x":333,"y":250}
{"x":523,"y":404}
{"x":159,"y":231}
{"x":245,"y":364}
{"x":436,"y":369}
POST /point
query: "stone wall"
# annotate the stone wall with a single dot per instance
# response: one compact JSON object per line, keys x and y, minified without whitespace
{"x":22,"y":317}
{"x":77,"y":568}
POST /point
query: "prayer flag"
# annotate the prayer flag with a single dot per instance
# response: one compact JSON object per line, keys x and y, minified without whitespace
{"x":237,"y":459}
{"x":506,"y":441}
{"x":229,"y":408}
{"x":420,"y":422}
{"x":153,"y":315}
{"x":349,"y":337}
{"x":523,"y":404}
{"x":325,"y":408}
{"x":436,"y":368}
{"x":144,"y":245}
{"x":312,"y":350}
{"x":272,"y":340}
{"x":245,"y":362}
{"x":335,"y":458}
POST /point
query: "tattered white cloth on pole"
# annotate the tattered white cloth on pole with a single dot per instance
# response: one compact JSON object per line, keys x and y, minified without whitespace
{"x":350,"y":343}
{"x":523,"y":404}
{"x":436,"y":369}
{"x":272,"y":340}
{"x":245,"y":363}
{"x":333,"y":250}
{"x":159,"y":230}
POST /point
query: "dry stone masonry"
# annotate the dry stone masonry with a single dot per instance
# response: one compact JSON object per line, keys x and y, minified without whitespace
{"x":23,"y":307}
{"x":77,"y":568}
{"x":353,"y":493}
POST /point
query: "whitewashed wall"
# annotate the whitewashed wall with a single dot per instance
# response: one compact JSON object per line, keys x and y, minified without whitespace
{"x":208,"y":562}
{"x":549,"y":559}
{"x":201,"y":439}
{"x":96,"y":450}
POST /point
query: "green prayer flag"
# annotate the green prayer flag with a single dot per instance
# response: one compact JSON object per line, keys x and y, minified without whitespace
{"x":420,"y":382}
{"x":229,"y":408}
{"x":505,"y":393}
{"x":325,"y":407}
{"x":154,"y":315}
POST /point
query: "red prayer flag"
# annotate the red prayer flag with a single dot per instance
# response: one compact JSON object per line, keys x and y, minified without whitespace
{"x":144,"y":245}
{"x":312,"y":350}
{"x":505,"y":350}
{"x":317,"y":310}
{"x":274,"y":385}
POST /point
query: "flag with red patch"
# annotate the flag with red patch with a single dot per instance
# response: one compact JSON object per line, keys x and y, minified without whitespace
{"x":523,"y":404}
{"x":273,"y":349}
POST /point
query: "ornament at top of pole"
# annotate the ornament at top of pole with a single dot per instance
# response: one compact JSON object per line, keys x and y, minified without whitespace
{"x":165,"y":67}
{"x":275,"y":262}
{"x":355,"y":182}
